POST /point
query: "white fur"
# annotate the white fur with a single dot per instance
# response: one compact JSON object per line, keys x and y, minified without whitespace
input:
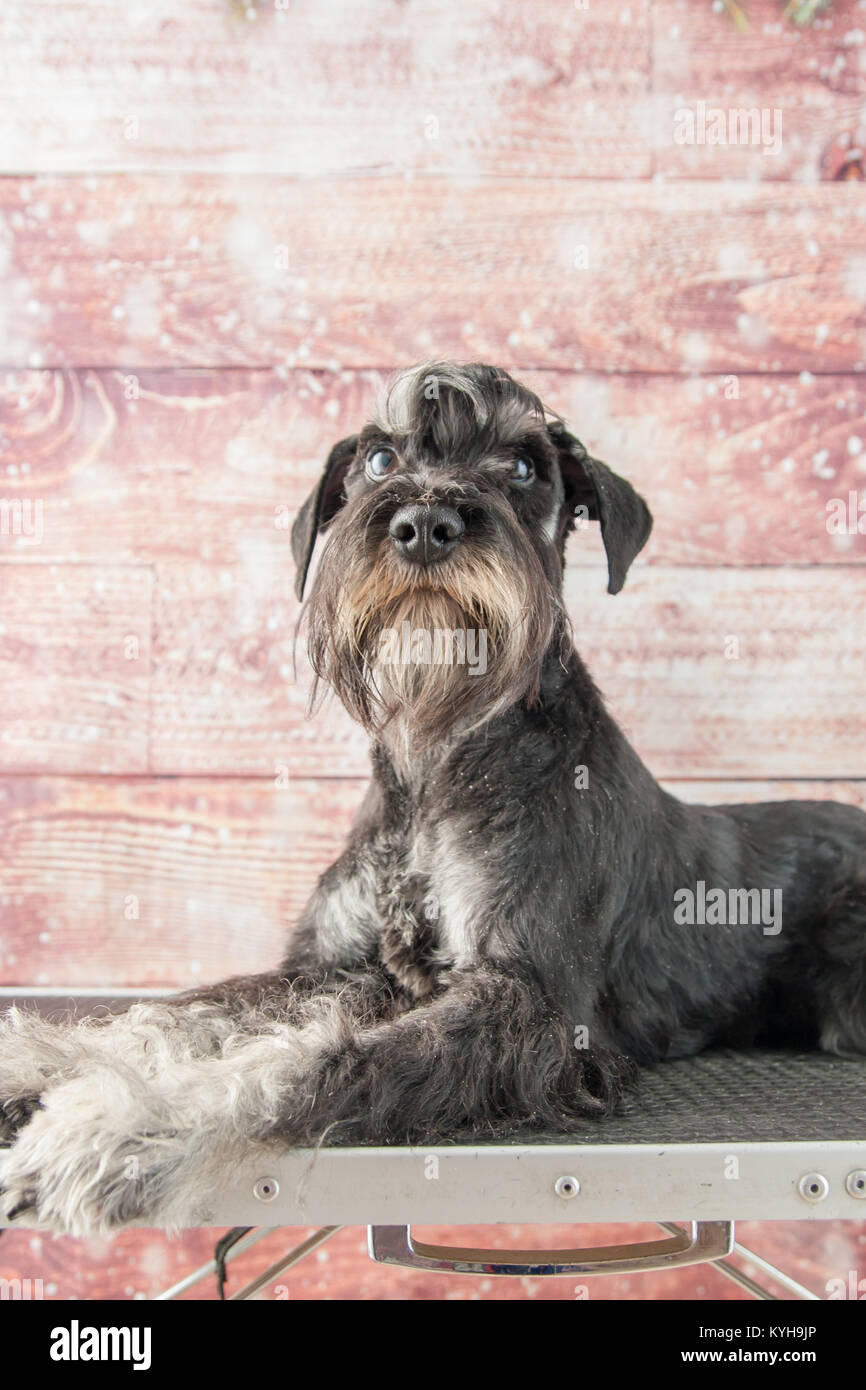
{"x":144,"y":1120}
{"x":462,"y":892}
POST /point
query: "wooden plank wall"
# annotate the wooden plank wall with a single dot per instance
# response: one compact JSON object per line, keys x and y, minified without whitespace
{"x":220,"y":227}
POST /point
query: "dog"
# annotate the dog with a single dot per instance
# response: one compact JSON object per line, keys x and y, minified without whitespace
{"x":506,"y":938}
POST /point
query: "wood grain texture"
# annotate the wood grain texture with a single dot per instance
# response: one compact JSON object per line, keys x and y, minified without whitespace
{"x":207,"y":271}
{"x":75,"y":667}
{"x":543,"y":90}
{"x":173,"y":882}
{"x":160,"y":882}
{"x":326,"y":85}
{"x":814,"y":76}
{"x":213,"y":465}
{"x":734,"y":673}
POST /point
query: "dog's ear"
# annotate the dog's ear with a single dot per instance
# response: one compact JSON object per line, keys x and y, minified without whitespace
{"x":321,"y":507}
{"x":626,"y":520}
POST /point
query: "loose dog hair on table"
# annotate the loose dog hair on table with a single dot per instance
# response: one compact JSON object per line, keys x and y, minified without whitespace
{"x":508,"y":934}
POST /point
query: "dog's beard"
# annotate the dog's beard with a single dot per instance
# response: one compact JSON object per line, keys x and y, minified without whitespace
{"x":437,"y":649}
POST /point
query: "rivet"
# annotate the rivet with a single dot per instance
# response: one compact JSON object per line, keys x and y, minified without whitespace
{"x":813,"y":1187}
{"x":855,"y":1183}
{"x":266,"y":1189}
{"x":566,"y":1187}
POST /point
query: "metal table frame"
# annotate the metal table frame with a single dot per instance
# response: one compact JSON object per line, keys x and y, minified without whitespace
{"x":707,"y":1242}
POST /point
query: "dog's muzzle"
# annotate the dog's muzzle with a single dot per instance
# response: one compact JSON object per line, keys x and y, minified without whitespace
{"x":426,"y":535}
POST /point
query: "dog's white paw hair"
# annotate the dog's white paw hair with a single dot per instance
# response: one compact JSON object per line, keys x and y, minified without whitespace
{"x":148,"y":1131}
{"x":37,"y":1053}
{"x":110,"y":1148}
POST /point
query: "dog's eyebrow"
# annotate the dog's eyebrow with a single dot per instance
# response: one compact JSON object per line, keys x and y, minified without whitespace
{"x":374,"y":434}
{"x":533,"y":442}
{"x":534,"y":439}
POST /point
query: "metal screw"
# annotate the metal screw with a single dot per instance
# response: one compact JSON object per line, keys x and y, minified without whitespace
{"x":855,"y":1183}
{"x":813,"y":1187}
{"x":566,"y":1187}
{"x":266,"y":1189}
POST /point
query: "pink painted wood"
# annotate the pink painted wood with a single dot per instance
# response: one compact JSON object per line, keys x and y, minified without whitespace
{"x":146,"y":271}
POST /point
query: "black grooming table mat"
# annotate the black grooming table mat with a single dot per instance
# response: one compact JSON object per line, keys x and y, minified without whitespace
{"x":735,"y":1097}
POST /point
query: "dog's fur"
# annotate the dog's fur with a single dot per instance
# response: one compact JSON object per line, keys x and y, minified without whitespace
{"x":498,"y":946}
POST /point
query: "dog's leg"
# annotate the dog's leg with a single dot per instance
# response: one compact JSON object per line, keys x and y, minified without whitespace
{"x":487,"y":1056}
{"x":111,"y":1147}
{"x":37,"y":1052}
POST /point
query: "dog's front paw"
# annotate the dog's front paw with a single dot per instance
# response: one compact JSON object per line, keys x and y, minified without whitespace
{"x":98,"y":1155}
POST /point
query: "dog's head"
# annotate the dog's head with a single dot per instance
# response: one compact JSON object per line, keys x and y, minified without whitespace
{"x":438,"y":591}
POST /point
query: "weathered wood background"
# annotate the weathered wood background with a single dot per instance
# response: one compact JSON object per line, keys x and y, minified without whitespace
{"x":219,"y":229}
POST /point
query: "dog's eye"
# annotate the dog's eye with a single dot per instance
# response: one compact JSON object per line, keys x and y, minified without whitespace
{"x":522,"y":471}
{"x":380,"y":462}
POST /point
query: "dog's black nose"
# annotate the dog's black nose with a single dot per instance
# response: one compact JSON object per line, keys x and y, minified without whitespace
{"x":425,"y":534}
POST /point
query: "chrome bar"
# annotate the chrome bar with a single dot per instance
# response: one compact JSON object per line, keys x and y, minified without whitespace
{"x":784,"y":1279}
{"x":210,"y":1268}
{"x":745,"y":1282}
{"x":287,"y":1262}
{"x":736,"y":1276}
{"x":704,"y":1242}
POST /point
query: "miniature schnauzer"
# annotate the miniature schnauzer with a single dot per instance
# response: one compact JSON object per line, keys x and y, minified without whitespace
{"x":512,"y":929}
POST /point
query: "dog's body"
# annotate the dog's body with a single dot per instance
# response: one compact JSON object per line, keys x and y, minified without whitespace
{"x":503,"y":938}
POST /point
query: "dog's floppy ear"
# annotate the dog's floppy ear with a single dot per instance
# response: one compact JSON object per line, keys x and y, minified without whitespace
{"x":321,"y":506}
{"x":626,"y":520}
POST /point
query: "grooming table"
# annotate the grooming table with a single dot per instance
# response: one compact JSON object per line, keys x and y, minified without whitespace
{"x":721,"y":1137}
{"x":713,"y":1139}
